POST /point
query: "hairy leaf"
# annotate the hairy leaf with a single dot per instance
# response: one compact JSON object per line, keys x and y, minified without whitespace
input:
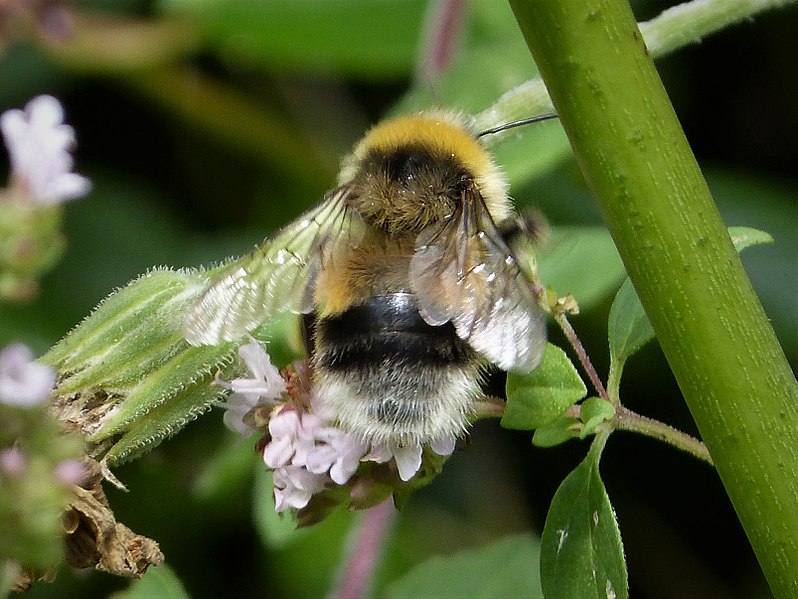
{"x":581,"y":554}
{"x":542,"y":396}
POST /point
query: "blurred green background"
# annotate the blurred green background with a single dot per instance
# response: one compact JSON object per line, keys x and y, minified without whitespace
{"x":206,"y":124}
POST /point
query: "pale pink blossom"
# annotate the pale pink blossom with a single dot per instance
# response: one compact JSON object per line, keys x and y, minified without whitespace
{"x":265,"y":387}
{"x":39,"y":144}
{"x":306,"y":455}
{"x":407,"y":457}
{"x":13,"y":462}
{"x":236,"y":407}
{"x":70,"y":472}
{"x":23,"y":381}
{"x":266,"y":382}
{"x":443,"y":446}
{"x":306,"y":451}
{"x":336,"y":452}
{"x":287,"y":436}
{"x":294,"y":486}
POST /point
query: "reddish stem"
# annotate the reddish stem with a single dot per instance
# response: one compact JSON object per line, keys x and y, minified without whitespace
{"x":581,"y":354}
{"x":365,"y":552}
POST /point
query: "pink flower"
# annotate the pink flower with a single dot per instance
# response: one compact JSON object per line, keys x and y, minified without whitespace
{"x":13,"y":462}
{"x":336,"y":452}
{"x":266,"y":382}
{"x":23,"y":381}
{"x":294,"y":486}
{"x":306,"y":455}
{"x":236,"y":407}
{"x":306,"y":451}
{"x":291,"y":439}
{"x":265,"y":387}
{"x":38,"y":144}
{"x":444,"y":445}
{"x":70,"y":472}
{"x":407,"y":457}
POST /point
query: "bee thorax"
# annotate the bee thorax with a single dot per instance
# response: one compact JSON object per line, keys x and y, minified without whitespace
{"x":408,"y":189}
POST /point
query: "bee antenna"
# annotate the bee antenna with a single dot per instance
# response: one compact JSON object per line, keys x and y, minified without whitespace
{"x":514,"y":124}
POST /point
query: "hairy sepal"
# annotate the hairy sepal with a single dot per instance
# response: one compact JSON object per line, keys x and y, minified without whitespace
{"x":126,"y":377}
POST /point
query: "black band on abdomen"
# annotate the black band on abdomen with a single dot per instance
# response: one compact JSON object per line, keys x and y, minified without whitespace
{"x":388,"y":329}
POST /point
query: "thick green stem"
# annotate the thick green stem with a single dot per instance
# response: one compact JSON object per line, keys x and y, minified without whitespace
{"x":718,"y":341}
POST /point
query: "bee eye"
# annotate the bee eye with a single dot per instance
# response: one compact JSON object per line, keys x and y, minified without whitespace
{"x":405,"y":165}
{"x":464,"y":181}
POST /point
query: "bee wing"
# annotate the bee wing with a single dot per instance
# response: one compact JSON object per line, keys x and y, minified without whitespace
{"x":277,"y":276}
{"x":464,"y":272}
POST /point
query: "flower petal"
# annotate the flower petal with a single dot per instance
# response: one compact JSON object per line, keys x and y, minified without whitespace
{"x":408,"y":460}
{"x":407,"y":457}
{"x":443,"y":446}
{"x":23,"y":381}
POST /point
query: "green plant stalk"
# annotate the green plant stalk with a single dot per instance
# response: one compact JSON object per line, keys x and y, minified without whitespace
{"x":675,"y":28}
{"x":687,"y":23}
{"x":236,"y":119}
{"x":562,"y":320}
{"x":626,"y":420}
{"x":715,"y":335}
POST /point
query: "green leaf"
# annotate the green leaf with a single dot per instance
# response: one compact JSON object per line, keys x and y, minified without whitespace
{"x":555,"y":433}
{"x":594,"y":411}
{"x":159,"y":581}
{"x":629,"y":328}
{"x":582,"y":261}
{"x":345,"y":37}
{"x":744,"y":237}
{"x":542,"y":396}
{"x":184,"y":374}
{"x":506,"y":568}
{"x":581,"y":554}
{"x":123,"y":308}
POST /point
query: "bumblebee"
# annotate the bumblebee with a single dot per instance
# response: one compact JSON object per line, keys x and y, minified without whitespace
{"x":410,"y":285}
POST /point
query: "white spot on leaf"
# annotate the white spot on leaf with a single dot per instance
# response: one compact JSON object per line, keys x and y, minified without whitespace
{"x":562,"y":535}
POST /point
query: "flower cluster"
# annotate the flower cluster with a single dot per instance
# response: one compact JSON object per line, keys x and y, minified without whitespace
{"x":39,"y":144}
{"x":41,"y":179}
{"x":25,"y":383}
{"x":307,"y":453}
{"x":39,"y":464}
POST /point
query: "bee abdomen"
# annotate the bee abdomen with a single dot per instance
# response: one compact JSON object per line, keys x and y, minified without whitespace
{"x":388,"y":328}
{"x":388,"y":376}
